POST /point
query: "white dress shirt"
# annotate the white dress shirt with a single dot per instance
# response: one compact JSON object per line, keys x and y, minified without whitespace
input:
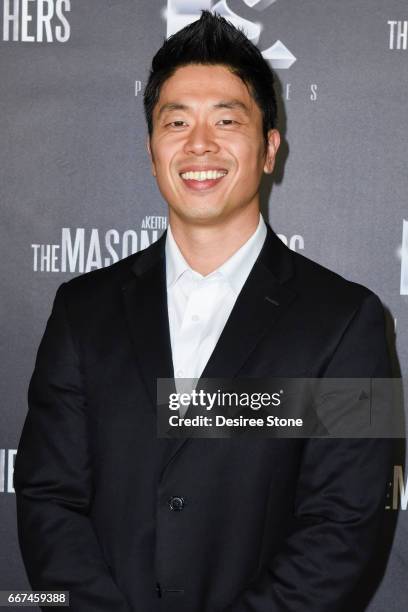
{"x":199,"y":306}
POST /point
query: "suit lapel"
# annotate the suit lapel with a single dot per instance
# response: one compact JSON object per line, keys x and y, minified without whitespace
{"x":145,"y":299}
{"x":261,"y":302}
{"x":263,"y":299}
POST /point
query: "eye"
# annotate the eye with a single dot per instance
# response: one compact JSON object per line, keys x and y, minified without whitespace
{"x":227,"y":121}
{"x":176,"y":124}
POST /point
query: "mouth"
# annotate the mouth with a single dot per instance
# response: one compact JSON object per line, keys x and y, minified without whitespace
{"x":202,"y":180}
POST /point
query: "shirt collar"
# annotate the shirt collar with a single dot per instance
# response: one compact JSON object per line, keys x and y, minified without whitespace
{"x":235,"y":270}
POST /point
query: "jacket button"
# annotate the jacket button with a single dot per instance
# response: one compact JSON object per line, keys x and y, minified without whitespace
{"x":176,"y":503}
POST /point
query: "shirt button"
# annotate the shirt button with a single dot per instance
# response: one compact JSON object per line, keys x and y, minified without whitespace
{"x":195,"y":318}
{"x":179,"y":373}
{"x":176,"y":503}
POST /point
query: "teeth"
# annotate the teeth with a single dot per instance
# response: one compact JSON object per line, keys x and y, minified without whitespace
{"x":204,"y":175}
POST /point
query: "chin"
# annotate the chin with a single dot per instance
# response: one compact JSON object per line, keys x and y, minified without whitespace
{"x":202,"y":214}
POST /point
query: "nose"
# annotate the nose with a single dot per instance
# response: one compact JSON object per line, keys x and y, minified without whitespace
{"x":201,"y":140}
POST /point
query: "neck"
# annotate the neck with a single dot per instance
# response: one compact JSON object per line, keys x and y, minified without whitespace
{"x":206,"y":247}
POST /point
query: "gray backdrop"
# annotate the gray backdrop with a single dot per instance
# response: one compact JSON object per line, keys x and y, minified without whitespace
{"x":77,"y":191}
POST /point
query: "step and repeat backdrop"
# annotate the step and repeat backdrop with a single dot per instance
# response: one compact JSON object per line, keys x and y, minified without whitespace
{"x":77,"y":191}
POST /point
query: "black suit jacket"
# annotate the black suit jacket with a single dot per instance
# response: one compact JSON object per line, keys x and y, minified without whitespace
{"x":268,"y":525}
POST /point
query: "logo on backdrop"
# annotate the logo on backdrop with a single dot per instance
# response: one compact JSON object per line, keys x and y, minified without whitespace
{"x":397,"y":496}
{"x":398,"y":39}
{"x":404,"y":259}
{"x":7,"y":457}
{"x":36,"y":20}
{"x":180,"y":13}
{"x":82,"y":250}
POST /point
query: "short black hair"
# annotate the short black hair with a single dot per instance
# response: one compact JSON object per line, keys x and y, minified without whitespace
{"x":213,"y":40}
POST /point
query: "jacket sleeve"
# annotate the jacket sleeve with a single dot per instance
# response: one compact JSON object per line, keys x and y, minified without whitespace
{"x":53,"y":479}
{"x":340,"y":497}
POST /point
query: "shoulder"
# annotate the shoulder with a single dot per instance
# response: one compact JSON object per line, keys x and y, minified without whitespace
{"x":328,"y":293}
{"x":110,"y":280}
{"x":316,"y":287}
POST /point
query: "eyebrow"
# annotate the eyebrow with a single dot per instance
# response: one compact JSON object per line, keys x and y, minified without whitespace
{"x":230,"y":104}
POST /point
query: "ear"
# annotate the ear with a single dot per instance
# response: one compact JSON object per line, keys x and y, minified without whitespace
{"x":271,"y":150}
{"x":149,"y":151}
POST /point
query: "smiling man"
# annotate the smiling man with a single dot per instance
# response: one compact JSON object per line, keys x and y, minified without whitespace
{"x":127,"y":521}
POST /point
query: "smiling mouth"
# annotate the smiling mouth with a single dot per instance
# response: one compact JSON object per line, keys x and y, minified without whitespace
{"x":201,"y":181}
{"x":203,"y":175}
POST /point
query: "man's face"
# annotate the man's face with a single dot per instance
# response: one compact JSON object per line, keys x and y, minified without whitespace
{"x":207,"y":146}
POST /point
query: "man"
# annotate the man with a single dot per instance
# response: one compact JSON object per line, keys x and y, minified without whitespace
{"x":127,"y":521}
